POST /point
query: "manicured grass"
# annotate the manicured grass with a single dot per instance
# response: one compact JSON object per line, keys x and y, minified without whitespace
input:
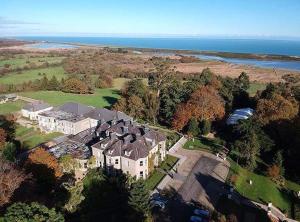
{"x":120,"y":82}
{"x":262,"y":189}
{"x":203,"y":144}
{"x":20,"y":62}
{"x":293,"y":186}
{"x":31,"y":138}
{"x":10,"y":107}
{"x":101,"y":97}
{"x":157,"y":176}
{"x":256,"y":86}
{"x":33,"y":74}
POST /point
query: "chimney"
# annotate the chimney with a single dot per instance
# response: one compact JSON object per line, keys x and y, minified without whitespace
{"x":113,"y":135}
{"x":127,"y":139}
{"x":125,"y":129}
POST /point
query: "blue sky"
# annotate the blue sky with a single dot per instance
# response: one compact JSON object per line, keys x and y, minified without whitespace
{"x":242,"y":18}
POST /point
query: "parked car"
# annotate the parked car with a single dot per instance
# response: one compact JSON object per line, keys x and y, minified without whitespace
{"x":157,"y":200}
{"x":196,"y":219}
{"x":201,"y":212}
{"x":157,"y":203}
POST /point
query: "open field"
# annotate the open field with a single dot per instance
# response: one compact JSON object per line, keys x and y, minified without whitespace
{"x":31,"y":138}
{"x":157,"y":176}
{"x":256,"y":86}
{"x":10,"y":107}
{"x":20,"y":62}
{"x":101,"y":97}
{"x":262,"y":190}
{"x":33,"y":74}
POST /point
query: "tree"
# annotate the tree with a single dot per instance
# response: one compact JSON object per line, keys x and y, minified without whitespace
{"x":139,"y":197}
{"x":10,"y":180}
{"x":2,"y":138}
{"x":161,"y":74}
{"x":205,"y":127}
{"x":205,"y":103}
{"x":170,"y":97}
{"x":76,"y":197}
{"x":134,"y":87}
{"x":276,"y":108}
{"x":104,"y":82}
{"x":135,"y":107}
{"x":22,"y":212}
{"x":44,"y":167}
{"x":248,"y":147}
{"x":53,"y":84}
{"x":193,"y":129}
{"x":68,"y":163}
{"x":243,"y":82}
{"x":152,"y":106}
{"x":274,"y":172}
{"x":10,"y":151}
{"x":74,"y":85}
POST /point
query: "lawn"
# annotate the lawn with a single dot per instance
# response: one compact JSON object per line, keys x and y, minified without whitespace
{"x":211,"y":145}
{"x":31,"y":138}
{"x":157,"y":176}
{"x":262,"y":189}
{"x":101,"y":97}
{"x":10,"y":107}
{"x":20,"y":62}
{"x":33,"y":74}
{"x":254,"y":87}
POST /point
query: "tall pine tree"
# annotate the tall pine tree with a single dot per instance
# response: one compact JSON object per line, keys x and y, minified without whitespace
{"x":139,"y":197}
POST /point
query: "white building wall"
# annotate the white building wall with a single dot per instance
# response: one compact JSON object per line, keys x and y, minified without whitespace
{"x":33,"y":115}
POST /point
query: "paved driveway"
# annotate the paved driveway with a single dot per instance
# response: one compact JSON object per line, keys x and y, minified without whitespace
{"x":205,"y":182}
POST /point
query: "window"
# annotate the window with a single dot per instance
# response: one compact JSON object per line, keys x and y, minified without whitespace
{"x":141,"y":163}
{"x":159,"y":146}
{"x":127,"y":163}
{"x":141,"y":174}
{"x":116,"y":161}
{"x":85,"y":165}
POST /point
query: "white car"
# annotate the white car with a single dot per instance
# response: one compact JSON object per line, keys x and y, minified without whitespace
{"x":196,"y":219}
{"x":201,"y":212}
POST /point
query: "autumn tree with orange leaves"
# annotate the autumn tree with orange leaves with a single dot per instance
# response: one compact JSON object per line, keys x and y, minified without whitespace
{"x":204,"y":104}
{"x":276,"y":108}
{"x":44,"y":167}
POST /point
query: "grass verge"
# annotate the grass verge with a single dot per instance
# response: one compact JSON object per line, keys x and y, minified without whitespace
{"x":154,"y":179}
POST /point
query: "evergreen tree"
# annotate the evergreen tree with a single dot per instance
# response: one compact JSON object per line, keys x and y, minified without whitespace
{"x":53,"y":84}
{"x":22,"y":212}
{"x":44,"y":82}
{"x":139,"y":197}
{"x":205,"y":127}
{"x":193,"y":128}
{"x":278,"y":161}
{"x":9,"y":152}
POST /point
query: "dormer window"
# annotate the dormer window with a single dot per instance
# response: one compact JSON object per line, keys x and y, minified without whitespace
{"x":127,"y":153}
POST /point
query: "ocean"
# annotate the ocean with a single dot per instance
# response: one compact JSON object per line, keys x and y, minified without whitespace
{"x":254,"y":46}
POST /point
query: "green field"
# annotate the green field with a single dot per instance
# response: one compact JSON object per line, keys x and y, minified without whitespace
{"x":31,"y":138}
{"x":262,"y":190}
{"x":101,"y":97}
{"x":20,"y":62}
{"x":211,"y":145}
{"x":33,"y":74}
{"x":10,"y":107}
{"x":157,"y":176}
{"x":254,"y":87}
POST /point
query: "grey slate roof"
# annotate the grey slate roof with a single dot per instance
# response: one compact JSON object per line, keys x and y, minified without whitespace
{"x":36,"y":106}
{"x":75,"y":108}
{"x":106,"y":115}
{"x":134,"y":143}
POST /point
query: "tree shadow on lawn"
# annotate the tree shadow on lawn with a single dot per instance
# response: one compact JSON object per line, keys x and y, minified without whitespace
{"x":110,"y":100}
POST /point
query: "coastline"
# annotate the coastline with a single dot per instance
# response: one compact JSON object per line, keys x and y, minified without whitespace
{"x":223,"y":54}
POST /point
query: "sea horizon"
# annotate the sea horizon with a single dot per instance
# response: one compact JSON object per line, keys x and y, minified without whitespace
{"x":232,"y":45}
